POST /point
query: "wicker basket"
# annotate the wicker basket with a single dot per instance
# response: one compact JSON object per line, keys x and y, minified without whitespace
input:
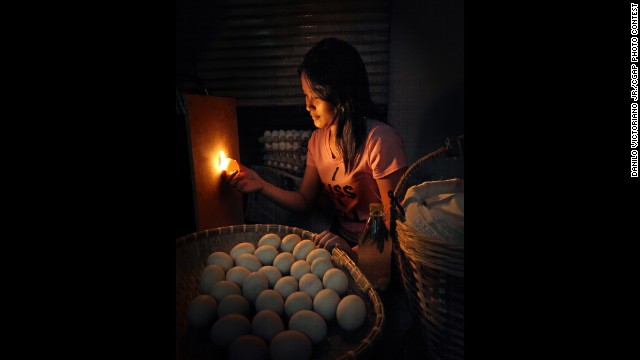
{"x":191,"y":257}
{"x":433,"y":277}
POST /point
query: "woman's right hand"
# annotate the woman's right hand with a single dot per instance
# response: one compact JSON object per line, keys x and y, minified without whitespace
{"x":246,"y":180}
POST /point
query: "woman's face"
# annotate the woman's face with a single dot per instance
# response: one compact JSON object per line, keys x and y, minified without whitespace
{"x":322,"y":112}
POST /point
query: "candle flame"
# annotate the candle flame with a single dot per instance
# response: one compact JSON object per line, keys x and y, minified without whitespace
{"x":224,"y":161}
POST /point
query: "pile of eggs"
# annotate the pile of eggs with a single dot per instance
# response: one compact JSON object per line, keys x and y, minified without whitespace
{"x":285,"y":149}
{"x":274,"y":300}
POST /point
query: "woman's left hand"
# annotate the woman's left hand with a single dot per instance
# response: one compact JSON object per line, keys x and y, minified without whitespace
{"x":329,"y":240}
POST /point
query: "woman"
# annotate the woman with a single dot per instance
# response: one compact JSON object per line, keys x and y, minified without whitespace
{"x":353,"y":156}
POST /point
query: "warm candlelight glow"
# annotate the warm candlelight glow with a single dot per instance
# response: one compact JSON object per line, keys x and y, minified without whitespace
{"x":228,"y":164}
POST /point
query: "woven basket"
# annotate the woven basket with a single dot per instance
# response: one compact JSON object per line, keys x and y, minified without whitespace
{"x":192,"y":252}
{"x":433,"y":277}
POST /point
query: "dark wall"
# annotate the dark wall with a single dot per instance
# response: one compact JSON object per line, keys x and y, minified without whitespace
{"x":426,"y":77}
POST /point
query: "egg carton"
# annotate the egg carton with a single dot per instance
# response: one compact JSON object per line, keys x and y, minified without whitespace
{"x":291,"y":136}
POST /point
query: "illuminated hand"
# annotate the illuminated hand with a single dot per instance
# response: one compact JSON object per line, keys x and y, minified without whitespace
{"x":246,"y":180}
{"x":329,"y":240}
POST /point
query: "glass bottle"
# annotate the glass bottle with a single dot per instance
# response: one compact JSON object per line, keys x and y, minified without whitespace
{"x":374,"y":249}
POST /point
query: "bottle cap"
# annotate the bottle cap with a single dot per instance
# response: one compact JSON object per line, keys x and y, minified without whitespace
{"x":376,"y":207}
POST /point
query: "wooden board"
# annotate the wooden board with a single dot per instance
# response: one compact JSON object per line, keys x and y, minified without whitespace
{"x":213,"y":127}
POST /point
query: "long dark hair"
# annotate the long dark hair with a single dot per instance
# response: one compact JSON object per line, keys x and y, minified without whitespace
{"x":337,"y":74}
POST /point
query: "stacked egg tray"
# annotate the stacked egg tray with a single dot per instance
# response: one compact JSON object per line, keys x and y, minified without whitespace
{"x":192,"y":252}
{"x":285,"y":149}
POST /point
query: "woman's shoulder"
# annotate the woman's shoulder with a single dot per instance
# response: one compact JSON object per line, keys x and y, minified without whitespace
{"x":377,"y":128}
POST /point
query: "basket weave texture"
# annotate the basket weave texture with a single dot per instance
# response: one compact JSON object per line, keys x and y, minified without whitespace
{"x":192,"y":252}
{"x":432,"y":273}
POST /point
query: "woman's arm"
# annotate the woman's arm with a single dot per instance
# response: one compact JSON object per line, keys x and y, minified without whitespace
{"x":248,"y":180}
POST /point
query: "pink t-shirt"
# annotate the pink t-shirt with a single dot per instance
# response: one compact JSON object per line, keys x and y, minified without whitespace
{"x":351,"y":194}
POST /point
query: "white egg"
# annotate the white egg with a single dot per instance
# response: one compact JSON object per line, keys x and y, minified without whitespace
{"x":290,"y":345}
{"x":234,"y":304}
{"x":270,"y":239}
{"x":300,"y":268}
{"x":320,"y":266}
{"x":253,"y":285}
{"x":310,"y":284}
{"x":337,"y":280}
{"x":266,"y":254}
{"x":242,"y":248}
{"x":351,"y":312}
{"x":317,"y":254}
{"x":228,"y":328}
{"x":249,"y":347}
{"x":267,"y":324}
{"x":303,"y":248}
{"x":272,"y":273}
{"x":283,"y":262}
{"x":270,"y":300}
{"x":289,"y":242}
{"x":310,"y":324}
{"x":202,"y":311}
{"x":249,"y":261}
{"x":210,"y":275}
{"x":325,"y":303}
{"x":297,"y":301}
{"x":224,"y":288}
{"x":237,"y":274}
{"x":286,"y":286}
{"x":220,"y":258}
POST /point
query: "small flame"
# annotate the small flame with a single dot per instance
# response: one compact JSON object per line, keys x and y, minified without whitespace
{"x":224,"y":161}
